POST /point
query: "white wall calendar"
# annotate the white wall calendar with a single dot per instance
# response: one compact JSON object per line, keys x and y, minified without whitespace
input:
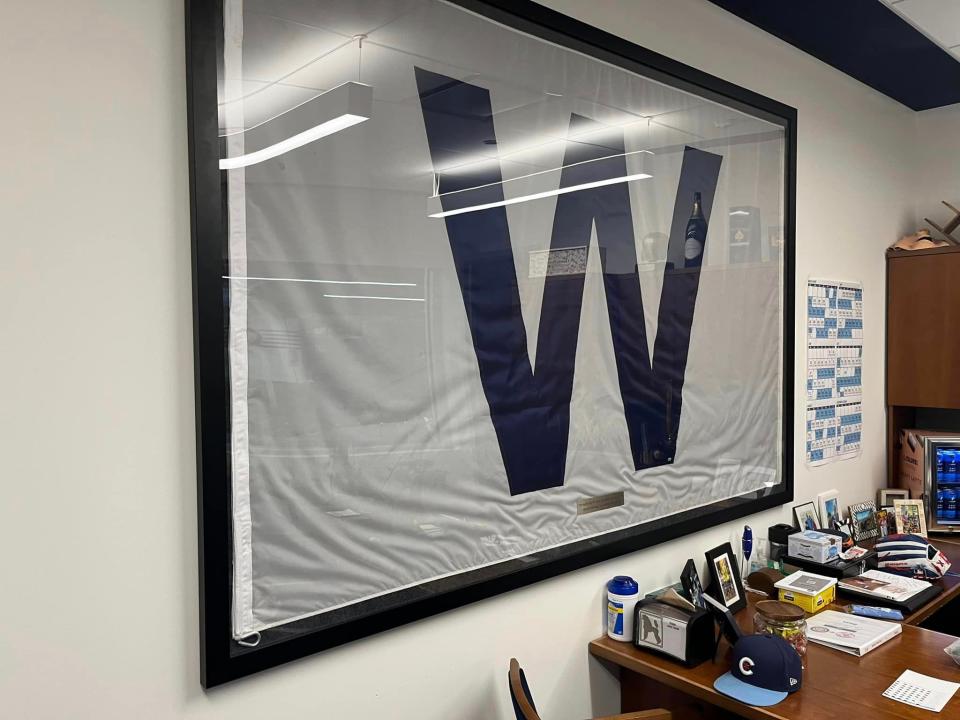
{"x":834,"y":370}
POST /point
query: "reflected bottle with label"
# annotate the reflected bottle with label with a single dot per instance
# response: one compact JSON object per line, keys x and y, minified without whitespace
{"x":696,"y":236}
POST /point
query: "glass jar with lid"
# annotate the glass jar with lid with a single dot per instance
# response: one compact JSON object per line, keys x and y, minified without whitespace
{"x":788,"y":621}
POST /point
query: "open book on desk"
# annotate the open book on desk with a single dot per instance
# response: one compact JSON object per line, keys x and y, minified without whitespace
{"x":850,"y":633}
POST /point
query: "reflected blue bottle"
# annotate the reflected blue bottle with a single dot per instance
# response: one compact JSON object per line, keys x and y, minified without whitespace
{"x":950,"y":504}
{"x":696,"y":236}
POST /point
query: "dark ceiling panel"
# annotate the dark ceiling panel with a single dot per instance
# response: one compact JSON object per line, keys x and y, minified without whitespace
{"x":866,"y":40}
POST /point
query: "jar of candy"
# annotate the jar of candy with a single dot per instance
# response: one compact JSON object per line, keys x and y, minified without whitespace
{"x":788,"y":621}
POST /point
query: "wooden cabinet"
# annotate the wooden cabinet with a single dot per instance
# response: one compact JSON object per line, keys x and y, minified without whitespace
{"x":923,"y":329}
{"x":923,"y":342}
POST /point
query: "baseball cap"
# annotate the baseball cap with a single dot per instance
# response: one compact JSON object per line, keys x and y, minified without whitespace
{"x":765,"y":670}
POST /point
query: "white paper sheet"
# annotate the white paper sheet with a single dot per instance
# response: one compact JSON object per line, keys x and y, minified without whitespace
{"x":921,"y":691}
{"x":834,"y":370}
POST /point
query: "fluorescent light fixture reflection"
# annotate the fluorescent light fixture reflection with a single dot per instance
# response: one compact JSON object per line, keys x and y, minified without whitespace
{"x":292,"y":143}
{"x":374,"y":297}
{"x":337,"y":109}
{"x":739,"y":212}
{"x":322,"y":282}
{"x":540,"y":195}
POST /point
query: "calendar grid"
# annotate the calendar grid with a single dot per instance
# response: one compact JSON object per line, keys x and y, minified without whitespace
{"x":834,"y":370}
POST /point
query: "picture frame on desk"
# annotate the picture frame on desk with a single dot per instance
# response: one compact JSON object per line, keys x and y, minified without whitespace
{"x":886,"y":496}
{"x":863,"y":520}
{"x":690,"y":579}
{"x":724,"y":617}
{"x":725,"y":584}
{"x":807,"y":517}
{"x":828,"y":504}
{"x":910,"y":518}
{"x":891,"y":519}
{"x":883,"y":522}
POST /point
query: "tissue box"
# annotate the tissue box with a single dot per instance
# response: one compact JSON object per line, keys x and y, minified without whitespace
{"x":812,"y":545}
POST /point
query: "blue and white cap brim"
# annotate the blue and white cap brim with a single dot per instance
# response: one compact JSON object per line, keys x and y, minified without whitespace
{"x":746,"y":693}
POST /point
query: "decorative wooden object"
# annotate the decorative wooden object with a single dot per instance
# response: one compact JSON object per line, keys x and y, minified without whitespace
{"x":947,"y":230}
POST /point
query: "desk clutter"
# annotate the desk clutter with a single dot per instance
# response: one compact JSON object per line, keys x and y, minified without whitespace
{"x":794,"y":576}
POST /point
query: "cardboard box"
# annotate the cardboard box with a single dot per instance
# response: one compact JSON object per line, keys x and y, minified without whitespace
{"x":813,"y":545}
{"x":807,"y":590}
{"x":910,"y":459}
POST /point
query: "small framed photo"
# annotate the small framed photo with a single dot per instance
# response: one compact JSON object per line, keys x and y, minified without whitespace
{"x":690,"y":579}
{"x":725,"y":583}
{"x":863,"y":519}
{"x":829,"y":507}
{"x":882,"y":522}
{"x":886,"y":496}
{"x":910,"y":518}
{"x":806,"y":515}
{"x":891,"y":519}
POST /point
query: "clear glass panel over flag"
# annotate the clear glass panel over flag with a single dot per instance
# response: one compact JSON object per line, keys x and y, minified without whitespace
{"x":394,"y":420}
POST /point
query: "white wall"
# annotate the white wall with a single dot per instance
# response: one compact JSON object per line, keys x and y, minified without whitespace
{"x":937,"y":174}
{"x":98,"y":516}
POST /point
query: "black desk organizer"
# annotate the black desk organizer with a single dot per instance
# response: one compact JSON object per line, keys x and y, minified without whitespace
{"x":838,"y":569}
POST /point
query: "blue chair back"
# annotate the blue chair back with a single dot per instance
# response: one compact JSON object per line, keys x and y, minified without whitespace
{"x":520,"y":694}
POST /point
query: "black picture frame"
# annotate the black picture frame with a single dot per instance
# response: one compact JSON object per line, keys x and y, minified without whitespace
{"x":222,"y":659}
{"x":729,"y":628}
{"x":813,"y":509}
{"x":726,"y":587}
{"x":692,"y":587}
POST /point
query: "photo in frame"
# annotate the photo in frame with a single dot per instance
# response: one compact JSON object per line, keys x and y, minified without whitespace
{"x":806,"y":516}
{"x":891,"y":519}
{"x":388,"y":318}
{"x":725,"y":583}
{"x":828,"y":505}
{"x":690,"y":581}
{"x":863,"y":520}
{"x":910,"y":517}
{"x":883,"y":522}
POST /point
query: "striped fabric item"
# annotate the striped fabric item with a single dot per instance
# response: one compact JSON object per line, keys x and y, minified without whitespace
{"x":911,"y":555}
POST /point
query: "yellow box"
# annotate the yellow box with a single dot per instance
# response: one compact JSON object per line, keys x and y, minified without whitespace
{"x":807,"y":591}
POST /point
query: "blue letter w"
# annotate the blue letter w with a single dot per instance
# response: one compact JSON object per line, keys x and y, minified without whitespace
{"x":530,"y":406}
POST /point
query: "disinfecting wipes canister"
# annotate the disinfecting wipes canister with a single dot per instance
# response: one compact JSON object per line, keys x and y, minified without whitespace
{"x":622,"y":595}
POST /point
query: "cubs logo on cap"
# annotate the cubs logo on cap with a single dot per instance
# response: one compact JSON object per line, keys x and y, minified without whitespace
{"x":764,"y":671}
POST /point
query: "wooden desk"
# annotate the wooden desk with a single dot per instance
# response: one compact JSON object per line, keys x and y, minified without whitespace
{"x":835,"y":684}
